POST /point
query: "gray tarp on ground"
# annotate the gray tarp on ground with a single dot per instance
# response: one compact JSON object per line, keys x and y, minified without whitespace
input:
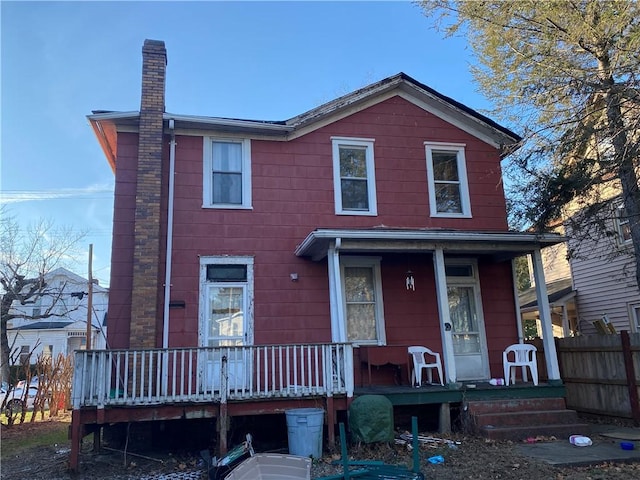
{"x":371,"y":419}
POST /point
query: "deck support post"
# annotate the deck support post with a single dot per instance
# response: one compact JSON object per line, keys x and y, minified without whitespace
{"x":76,"y":439}
{"x":223,"y":428}
{"x":223,"y":418}
{"x":331,"y":424}
{"x":444,"y":422}
{"x":97,"y":433}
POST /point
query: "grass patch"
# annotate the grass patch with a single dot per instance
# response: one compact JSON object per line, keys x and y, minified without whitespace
{"x":22,"y":436}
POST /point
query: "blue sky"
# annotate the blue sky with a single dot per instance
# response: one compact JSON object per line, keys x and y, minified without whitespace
{"x":254,"y":60}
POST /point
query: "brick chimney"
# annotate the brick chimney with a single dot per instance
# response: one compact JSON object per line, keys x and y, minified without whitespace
{"x":145,"y":301}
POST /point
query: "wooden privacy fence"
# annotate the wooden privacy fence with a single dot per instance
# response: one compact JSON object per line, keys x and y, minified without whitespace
{"x":601,"y":373}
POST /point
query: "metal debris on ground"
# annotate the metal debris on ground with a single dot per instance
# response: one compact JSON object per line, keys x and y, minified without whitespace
{"x":375,"y":470}
{"x":218,"y":469}
{"x":194,"y":475}
{"x":406,"y":438}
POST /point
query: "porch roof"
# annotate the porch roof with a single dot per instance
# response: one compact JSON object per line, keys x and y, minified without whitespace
{"x":559,"y":292}
{"x":502,"y":245}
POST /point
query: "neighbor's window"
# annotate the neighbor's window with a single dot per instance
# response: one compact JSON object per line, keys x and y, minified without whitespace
{"x":363,"y":300}
{"x":622,"y":225}
{"x":354,"y":176}
{"x":447,"y":176}
{"x":25,"y":354}
{"x":635,"y":316}
{"x":36,"y":311}
{"x":227,"y":173}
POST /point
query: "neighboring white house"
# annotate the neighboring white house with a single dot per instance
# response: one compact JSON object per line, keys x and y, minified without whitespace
{"x":66,"y":331}
{"x":591,"y":278}
{"x":603,"y":270}
{"x":560,"y":291}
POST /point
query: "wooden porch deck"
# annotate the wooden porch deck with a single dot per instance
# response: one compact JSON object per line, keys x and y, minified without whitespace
{"x":112,"y":386}
{"x":431,"y":394}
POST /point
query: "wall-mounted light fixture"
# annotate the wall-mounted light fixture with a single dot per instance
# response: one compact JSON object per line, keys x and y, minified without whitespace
{"x":294,"y":277}
{"x":410,"y":281}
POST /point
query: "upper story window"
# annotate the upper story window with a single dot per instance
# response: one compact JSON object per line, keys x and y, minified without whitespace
{"x":354,"y":180}
{"x":227,"y":173}
{"x":447,"y":176}
{"x":622,"y":225}
{"x":36,"y":311}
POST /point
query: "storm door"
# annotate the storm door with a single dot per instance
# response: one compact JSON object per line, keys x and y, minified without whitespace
{"x":225,"y":323}
{"x":465,"y":311}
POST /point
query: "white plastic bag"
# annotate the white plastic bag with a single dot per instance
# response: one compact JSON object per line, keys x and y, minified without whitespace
{"x":580,"y":441}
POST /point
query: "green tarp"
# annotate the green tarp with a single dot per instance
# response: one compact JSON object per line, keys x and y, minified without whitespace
{"x":371,"y":419}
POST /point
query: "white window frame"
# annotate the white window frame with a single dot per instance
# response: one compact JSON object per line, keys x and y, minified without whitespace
{"x":634,"y":316}
{"x":619,"y":223}
{"x":463,"y":183}
{"x":248,"y":285}
{"x":367,"y":143}
{"x":207,"y":190}
{"x":374,"y":263}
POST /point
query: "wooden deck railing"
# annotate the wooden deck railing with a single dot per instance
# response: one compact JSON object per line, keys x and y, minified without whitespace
{"x":217,"y":374}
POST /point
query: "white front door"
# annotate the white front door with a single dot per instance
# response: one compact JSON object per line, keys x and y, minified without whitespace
{"x":226,"y":306}
{"x":467,"y":325}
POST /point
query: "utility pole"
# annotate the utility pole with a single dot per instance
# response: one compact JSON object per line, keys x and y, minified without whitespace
{"x":90,"y":300}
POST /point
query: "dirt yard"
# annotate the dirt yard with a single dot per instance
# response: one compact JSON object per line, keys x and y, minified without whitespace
{"x":40,"y":450}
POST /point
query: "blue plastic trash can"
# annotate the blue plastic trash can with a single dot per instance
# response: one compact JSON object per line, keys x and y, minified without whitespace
{"x":304,"y":429}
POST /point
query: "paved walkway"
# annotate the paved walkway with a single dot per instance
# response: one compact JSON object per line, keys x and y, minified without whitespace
{"x":606,"y":448}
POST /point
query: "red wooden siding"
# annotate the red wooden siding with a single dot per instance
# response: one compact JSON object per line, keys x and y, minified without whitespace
{"x":292,"y":187}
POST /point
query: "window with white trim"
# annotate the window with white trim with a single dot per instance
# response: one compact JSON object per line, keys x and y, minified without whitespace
{"x":227,"y":173}
{"x":634,"y":310}
{"x":447,"y":177}
{"x":354,"y":180}
{"x":36,"y":311}
{"x":362,"y":293}
{"x":622,"y":225}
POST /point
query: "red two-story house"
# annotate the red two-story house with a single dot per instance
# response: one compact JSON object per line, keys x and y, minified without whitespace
{"x":259,"y":264}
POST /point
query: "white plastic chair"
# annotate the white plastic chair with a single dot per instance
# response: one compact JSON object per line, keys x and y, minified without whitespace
{"x":418,"y":354}
{"x":524,"y":356}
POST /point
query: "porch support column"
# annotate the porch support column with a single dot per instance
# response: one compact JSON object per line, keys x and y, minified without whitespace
{"x":550,"y":354}
{"x":517,"y":303}
{"x":446,"y":329}
{"x":338,"y":327}
{"x":566,"y":328}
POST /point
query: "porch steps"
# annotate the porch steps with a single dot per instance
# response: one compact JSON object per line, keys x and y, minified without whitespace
{"x":518,"y":419}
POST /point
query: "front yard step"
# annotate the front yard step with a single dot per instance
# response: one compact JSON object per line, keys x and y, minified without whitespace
{"x":519,"y":419}
{"x":516,"y":405}
{"x":541,"y":417}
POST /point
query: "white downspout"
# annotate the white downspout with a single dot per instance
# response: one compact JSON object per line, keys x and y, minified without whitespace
{"x":167,"y":275}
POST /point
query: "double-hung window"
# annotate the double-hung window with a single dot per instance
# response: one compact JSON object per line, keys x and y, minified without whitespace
{"x":622,"y":225}
{"x":634,"y":310}
{"x":363,"y":300}
{"x":227,"y":173}
{"x":447,"y":176}
{"x":354,"y":176}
